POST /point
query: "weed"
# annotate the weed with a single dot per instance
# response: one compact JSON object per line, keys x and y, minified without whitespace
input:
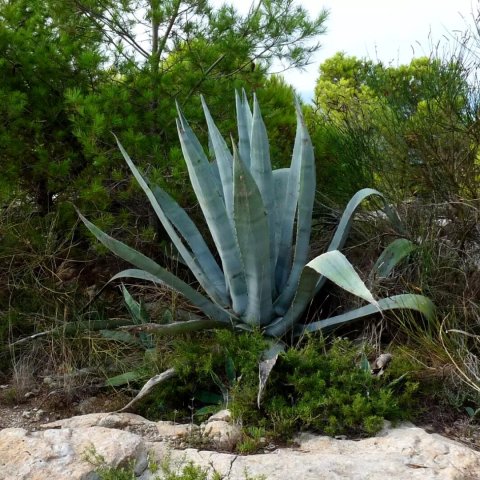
{"x":166,"y":469}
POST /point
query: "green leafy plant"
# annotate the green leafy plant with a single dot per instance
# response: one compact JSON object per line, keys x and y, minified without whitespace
{"x":260,"y":223}
{"x":144,"y":340}
{"x":215,"y":401}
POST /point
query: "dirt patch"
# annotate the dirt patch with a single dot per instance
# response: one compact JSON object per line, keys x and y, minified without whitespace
{"x":42,"y":406}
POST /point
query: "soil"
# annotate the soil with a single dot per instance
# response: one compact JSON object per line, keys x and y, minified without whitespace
{"x":42,"y":405}
{"x":31,"y":409}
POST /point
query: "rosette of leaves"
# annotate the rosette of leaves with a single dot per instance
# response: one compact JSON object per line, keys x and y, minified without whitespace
{"x":260,"y":224}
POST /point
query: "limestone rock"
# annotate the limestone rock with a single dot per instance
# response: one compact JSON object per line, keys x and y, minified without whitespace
{"x":402,"y":453}
{"x":60,"y":454}
{"x":221,"y":434}
{"x":222,"y":415}
{"x":57,"y":453}
{"x":107,"y":420}
{"x":121,"y":421}
{"x":175,"y":431}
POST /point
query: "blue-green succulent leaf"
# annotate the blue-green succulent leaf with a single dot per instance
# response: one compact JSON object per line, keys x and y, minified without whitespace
{"x":211,"y":282}
{"x":306,"y":197}
{"x":336,"y":268}
{"x":200,"y":252}
{"x":346,"y":221}
{"x":348,"y":215}
{"x":265,"y":367}
{"x":331,"y":265}
{"x":252,"y":234}
{"x":248,"y":112}
{"x":284,"y":259}
{"x":213,"y":208}
{"x":261,"y":170}
{"x":137,"y":311}
{"x":147,"y":269}
{"x":210,"y":309}
{"x":408,"y":301}
{"x":393,"y":254}
{"x":139,"y":315}
{"x":280,"y":181}
{"x":224,"y":161}
{"x":303,"y":296}
{"x":244,"y":123}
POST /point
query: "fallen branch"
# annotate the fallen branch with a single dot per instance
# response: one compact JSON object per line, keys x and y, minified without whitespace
{"x":175,"y":327}
{"x":162,"y":377}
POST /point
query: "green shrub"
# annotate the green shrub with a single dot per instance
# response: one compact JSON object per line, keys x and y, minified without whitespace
{"x":331,"y":392}
{"x":320,"y":387}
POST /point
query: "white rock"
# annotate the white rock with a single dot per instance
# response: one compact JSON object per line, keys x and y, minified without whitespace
{"x":174,"y":431}
{"x":223,"y":435}
{"x":107,"y":420}
{"x":402,"y":453}
{"x":60,"y":454}
{"x":222,"y":415}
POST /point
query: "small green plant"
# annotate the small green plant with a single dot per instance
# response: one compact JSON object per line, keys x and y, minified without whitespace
{"x":106,"y":472}
{"x":253,"y":439}
{"x":166,"y":469}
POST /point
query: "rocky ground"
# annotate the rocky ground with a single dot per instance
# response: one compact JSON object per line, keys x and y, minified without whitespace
{"x":44,"y":434}
{"x":71,"y":448}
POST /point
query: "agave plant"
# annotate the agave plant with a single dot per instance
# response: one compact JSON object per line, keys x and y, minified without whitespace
{"x":260,"y":224}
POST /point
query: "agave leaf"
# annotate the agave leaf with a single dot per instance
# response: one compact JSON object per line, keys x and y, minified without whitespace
{"x":261,"y":170}
{"x":265,"y":367}
{"x":248,"y":112}
{"x":213,"y":208}
{"x":335,"y":267}
{"x":393,"y":254}
{"x":152,"y":271}
{"x":212,"y":286}
{"x":252,"y":231}
{"x":408,"y":301}
{"x":175,"y":328}
{"x":215,"y":312}
{"x":290,"y":209}
{"x":244,"y":127}
{"x":201,"y":253}
{"x":364,"y":363}
{"x":306,"y":197}
{"x":216,"y":176}
{"x":224,"y":160}
{"x":280,"y":182}
{"x":303,"y":296}
{"x":345,"y":224}
{"x":343,"y":229}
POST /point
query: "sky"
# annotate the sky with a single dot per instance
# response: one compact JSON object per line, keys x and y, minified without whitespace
{"x":392,"y":31}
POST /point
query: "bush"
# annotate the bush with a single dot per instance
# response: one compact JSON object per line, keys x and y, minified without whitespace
{"x":322,"y":387}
